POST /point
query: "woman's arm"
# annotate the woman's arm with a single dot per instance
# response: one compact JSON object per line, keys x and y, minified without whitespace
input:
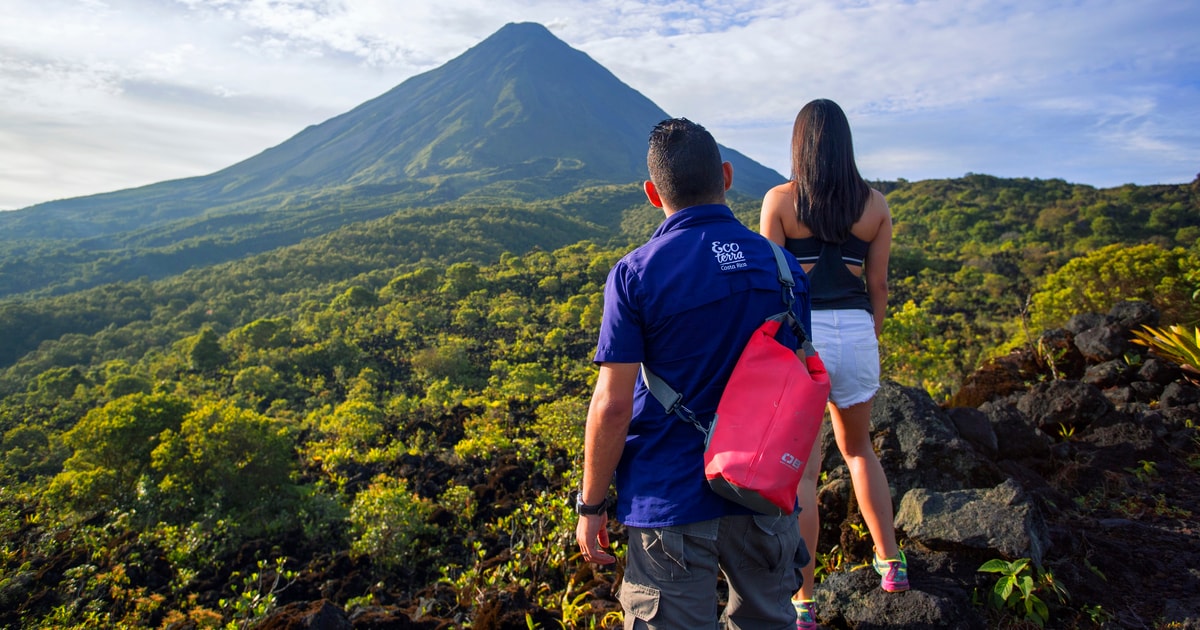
{"x":876,"y":268}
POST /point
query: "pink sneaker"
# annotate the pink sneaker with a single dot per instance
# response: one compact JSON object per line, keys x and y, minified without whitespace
{"x":805,"y":619}
{"x":894,"y":572}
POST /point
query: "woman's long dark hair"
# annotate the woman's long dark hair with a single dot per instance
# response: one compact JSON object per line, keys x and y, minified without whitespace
{"x":830,"y":193}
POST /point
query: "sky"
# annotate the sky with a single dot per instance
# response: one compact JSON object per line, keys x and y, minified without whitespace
{"x":103,"y":95}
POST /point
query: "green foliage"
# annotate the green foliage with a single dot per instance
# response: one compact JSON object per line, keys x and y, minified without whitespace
{"x":522,"y":381}
{"x":450,"y":359}
{"x":25,"y":448}
{"x":58,"y":382}
{"x":389,"y":522}
{"x":253,"y":403}
{"x":222,"y":458}
{"x":204,"y":351}
{"x":1018,"y":586}
{"x":257,"y":594}
{"x":112,"y":451}
{"x":1096,"y":281}
{"x":1174,"y":344}
{"x":486,"y":434}
{"x":914,"y":352}
{"x":559,"y":424}
{"x":261,"y":334}
{"x":828,"y":563}
{"x":260,"y":383}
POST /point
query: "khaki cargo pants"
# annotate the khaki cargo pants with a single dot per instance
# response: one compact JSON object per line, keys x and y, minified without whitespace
{"x":671,"y":574}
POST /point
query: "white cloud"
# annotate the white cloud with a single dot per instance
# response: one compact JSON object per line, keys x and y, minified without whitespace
{"x":98,"y":96}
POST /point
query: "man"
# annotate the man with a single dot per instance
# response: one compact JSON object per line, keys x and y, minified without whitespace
{"x":684,"y":304}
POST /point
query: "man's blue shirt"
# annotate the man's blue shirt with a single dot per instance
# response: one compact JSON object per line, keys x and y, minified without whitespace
{"x":684,"y":304}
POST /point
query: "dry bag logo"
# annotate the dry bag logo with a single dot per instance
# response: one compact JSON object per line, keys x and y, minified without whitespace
{"x":729,"y":255}
{"x":791,"y":461}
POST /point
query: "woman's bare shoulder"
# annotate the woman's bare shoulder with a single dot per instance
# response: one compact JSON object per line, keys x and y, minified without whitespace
{"x":779,"y":198}
{"x":877,"y":204}
{"x":874,"y":217}
{"x":785,"y":190}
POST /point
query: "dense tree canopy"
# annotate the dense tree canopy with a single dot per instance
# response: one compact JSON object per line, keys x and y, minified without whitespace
{"x":284,"y":396}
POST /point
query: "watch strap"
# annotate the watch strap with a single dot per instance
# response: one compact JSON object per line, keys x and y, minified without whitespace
{"x":587,"y":510}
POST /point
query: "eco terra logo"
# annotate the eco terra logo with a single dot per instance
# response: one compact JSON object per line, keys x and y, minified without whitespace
{"x":729,"y":255}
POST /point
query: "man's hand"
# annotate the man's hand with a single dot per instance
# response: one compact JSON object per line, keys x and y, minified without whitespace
{"x":604,"y":435}
{"x":592,"y":535}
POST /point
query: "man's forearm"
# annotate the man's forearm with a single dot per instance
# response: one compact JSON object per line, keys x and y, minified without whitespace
{"x":604,"y":440}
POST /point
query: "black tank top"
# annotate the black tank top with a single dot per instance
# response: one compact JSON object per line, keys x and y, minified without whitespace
{"x":831,"y":285}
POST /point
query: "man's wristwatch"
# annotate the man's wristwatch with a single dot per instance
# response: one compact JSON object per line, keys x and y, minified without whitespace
{"x":584,"y":509}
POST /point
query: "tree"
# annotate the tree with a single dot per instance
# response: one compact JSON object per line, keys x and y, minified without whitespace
{"x":262,"y":334}
{"x":57,"y":383}
{"x":354,"y":298}
{"x":223,"y":458}
{"x":112,"y":447}
{"x":204,"y":351}
{"x":1093,"y":283}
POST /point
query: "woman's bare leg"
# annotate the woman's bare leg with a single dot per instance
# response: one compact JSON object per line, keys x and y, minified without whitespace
{"x":852,"y":429}
{"x":810,"y":518}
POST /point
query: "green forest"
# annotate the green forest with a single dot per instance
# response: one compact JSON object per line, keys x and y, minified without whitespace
{"x":186,"y":447}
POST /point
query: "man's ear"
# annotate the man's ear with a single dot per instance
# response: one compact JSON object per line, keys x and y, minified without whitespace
{"x":727,"y":168}
{"x":652,"y":194}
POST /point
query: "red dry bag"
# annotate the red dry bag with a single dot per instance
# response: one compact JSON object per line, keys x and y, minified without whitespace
{"x":768,"y":416}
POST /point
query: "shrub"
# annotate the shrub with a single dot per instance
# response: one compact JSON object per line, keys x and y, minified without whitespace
{"x":223,"y":458}
{"x":387,"y":522}
{"x":1093,"y":283}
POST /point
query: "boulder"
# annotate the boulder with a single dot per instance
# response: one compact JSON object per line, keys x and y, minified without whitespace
{"x":1000,"y":521}
{"x":319,"y":615}
{"x":1054,"y":404}
{"x":973,"y":425}
{"x":1180,"y":394}
{"x":1058,"y":355}
{"x":1102,"y":343}
{"x":1107,"y":374}
{"x":1158,"y":371}
{"x":853,"y":599}
{"x":1016,"y":436}
{"x":1086,"y":321}
{"x":1133,"y":314}
{"x":995,"y":378}
{"x":919,"y":445}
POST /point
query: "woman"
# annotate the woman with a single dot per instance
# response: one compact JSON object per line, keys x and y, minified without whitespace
{"x":840,"y":230}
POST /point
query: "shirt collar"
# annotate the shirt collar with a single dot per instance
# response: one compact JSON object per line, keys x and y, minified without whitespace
{"x":695,"y":215}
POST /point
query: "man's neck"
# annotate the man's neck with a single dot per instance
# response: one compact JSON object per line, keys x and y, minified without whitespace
{"x":669,"y":209}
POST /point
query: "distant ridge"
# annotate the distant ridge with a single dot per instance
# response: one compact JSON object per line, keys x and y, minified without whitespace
{"x":521,"y":114}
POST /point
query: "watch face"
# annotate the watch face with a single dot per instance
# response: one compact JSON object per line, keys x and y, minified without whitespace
{"x":583,"y":508}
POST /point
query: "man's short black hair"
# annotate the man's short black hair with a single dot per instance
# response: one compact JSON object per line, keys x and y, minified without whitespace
{"x":685,"y":164}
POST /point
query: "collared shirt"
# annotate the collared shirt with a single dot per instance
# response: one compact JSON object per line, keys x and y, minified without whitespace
{"x":684,"y":304}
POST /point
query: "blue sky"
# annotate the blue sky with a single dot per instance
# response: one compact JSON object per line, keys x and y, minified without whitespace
{"x":101,"y":95}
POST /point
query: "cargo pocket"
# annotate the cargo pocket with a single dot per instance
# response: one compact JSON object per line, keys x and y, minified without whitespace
{"x":665,"y":554}
{"x":771,"y":551}
{"x":639,"y":600}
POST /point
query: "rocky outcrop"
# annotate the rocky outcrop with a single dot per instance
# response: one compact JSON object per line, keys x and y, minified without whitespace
{"x":1081,"y":455}
{"x":1003,"y":519}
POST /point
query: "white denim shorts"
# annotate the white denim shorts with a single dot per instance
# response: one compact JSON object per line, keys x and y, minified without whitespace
{"x":846,"y":341}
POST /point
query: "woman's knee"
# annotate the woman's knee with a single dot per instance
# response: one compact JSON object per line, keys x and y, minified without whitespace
{"x":857,"y":447}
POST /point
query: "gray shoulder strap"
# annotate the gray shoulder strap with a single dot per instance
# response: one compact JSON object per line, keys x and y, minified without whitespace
{"x":785,"y":272}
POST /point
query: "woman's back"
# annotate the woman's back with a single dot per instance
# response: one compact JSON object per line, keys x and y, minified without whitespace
{"x":779,"y":221}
